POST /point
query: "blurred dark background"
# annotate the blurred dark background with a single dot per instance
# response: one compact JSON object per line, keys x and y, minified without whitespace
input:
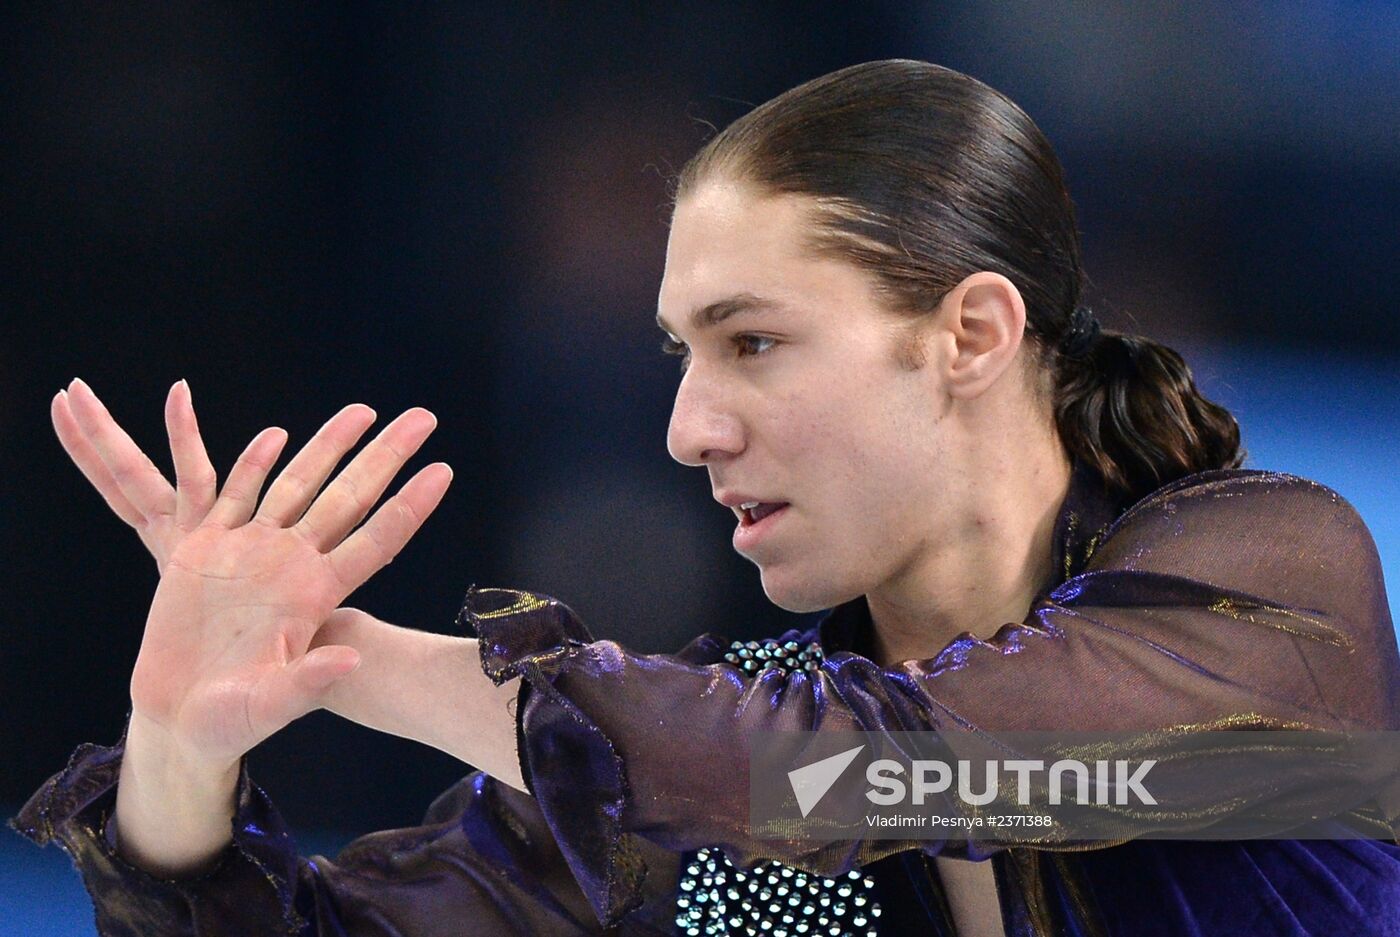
{"x":463,"y":207}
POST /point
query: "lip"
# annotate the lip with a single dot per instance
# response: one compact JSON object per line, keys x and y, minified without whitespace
{"x":732,"y":500}
{"x":747,"y":535}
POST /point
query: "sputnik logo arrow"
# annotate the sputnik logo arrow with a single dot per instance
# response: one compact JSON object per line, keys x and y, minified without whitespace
{"x":810,"y":783}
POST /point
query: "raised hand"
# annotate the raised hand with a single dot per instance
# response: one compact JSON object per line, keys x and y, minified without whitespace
{"x":225,"y":660}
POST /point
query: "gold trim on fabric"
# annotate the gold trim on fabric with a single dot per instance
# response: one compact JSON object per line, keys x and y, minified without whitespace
{"x":524,"y":602}
{"x":1240,"y":612}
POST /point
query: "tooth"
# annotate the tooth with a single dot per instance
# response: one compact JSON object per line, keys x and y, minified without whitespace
{"x":749,"y":505}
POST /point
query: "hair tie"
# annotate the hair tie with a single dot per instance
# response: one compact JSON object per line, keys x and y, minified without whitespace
{"x":1082,"y":333}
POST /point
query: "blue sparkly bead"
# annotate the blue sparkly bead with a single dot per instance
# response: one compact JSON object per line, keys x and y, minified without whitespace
{"x":786,"y":900}
{"x":758,"y":657}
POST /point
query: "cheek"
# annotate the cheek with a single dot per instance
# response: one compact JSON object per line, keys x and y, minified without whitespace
{"x":874,"y":451}
{"x":857,"y":449}
{"x":831,"y":422}
{"x":884,"y":486}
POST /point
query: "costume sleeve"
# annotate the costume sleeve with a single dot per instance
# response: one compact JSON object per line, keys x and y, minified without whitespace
{"x":482,"y":863}
{"x":1230,"y":599}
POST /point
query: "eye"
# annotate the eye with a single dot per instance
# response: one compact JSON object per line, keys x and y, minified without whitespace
{"x":749,"y":345}
{"x":670,"y":346}
{"x":746,"y":346}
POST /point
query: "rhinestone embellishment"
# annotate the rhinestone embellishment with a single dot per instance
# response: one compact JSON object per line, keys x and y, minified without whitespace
{"x":716,"y":898}
{"x":754,"y":657}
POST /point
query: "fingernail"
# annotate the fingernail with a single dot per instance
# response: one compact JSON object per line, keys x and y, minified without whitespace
{"x":78,"y":382}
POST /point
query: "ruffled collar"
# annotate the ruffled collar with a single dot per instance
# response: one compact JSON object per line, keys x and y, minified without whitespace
{"x":1088,"y":509}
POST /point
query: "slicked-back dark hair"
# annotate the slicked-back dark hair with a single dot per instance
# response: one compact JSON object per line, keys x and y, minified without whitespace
{"x":922,"y":176}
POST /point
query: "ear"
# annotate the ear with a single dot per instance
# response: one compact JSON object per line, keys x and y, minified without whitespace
{"x":982,"y":321}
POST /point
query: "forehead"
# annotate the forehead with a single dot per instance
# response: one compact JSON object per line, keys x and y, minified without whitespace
{"x":727,"y":240}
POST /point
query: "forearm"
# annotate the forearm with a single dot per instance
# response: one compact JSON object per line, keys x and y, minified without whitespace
{"x":426,"y":687}
{"x":173,"y":814}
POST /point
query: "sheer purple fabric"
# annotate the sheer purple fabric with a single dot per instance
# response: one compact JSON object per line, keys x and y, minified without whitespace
{"x":482,"y":862}
{"x":1230,"y":598}
{"x":1233,"y":598}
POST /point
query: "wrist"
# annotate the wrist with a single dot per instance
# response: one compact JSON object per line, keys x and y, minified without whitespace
{"x":358,"y":695}
{"x":158,"y":752}
{"x":473,"y":720}
{"x":173,"y":806}
{"x":427,"y":687}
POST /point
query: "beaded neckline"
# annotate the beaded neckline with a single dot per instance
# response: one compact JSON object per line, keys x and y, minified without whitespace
{"x":717,"y":898}
{"x":757,"y":656}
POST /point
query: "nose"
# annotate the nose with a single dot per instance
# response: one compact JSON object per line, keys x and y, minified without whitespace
{"x":703,"y":428}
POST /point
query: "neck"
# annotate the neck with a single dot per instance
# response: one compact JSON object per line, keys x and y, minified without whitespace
{"x":987,"y":574}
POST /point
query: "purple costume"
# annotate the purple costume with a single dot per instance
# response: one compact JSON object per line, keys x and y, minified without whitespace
{"x":1232,"y":597}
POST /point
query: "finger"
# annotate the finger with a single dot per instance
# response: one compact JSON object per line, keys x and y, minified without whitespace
{"x":303,"y":477}
{"x":355,"y":490}
{"x":301,"y":686}
{"x":135,"y":474}
{"x":195,"y":478}
{"x":312,"y":673}
{"x":85,"y":457}
{"x":375,"y":545}
{"x":236,"y":502}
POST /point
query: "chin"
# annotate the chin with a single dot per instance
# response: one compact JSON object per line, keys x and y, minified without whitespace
{"x":803,"y":594}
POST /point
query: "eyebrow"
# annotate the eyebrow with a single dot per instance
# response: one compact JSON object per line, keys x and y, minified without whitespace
{"x":716,"y":312}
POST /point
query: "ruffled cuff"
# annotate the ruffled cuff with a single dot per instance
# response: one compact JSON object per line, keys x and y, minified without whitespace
{"x":253,"y":880}
{"x":561,"y":748}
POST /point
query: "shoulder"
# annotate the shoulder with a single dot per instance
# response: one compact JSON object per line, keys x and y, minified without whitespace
{"x":1234,"y":502}
{"x":1253,"y":484}
{"x":1274,"y":535}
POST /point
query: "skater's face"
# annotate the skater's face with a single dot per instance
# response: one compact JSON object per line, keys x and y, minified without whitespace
{"x":797,"y":390}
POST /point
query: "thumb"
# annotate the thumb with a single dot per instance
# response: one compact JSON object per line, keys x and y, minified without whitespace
{"x":316,"y":670}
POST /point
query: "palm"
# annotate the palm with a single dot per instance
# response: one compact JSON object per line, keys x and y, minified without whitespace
{"x":233,"y":610}
{"x":226,"y":658}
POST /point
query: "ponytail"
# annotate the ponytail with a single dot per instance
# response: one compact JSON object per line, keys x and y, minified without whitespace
{"x":1129,"y":407}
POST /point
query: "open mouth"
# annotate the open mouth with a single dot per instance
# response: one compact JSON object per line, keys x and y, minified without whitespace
{"x":753,"y":513}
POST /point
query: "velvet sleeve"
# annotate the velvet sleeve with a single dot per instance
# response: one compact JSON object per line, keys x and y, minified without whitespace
{"x":483,"y":862}
{"x":1229,"y":599}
